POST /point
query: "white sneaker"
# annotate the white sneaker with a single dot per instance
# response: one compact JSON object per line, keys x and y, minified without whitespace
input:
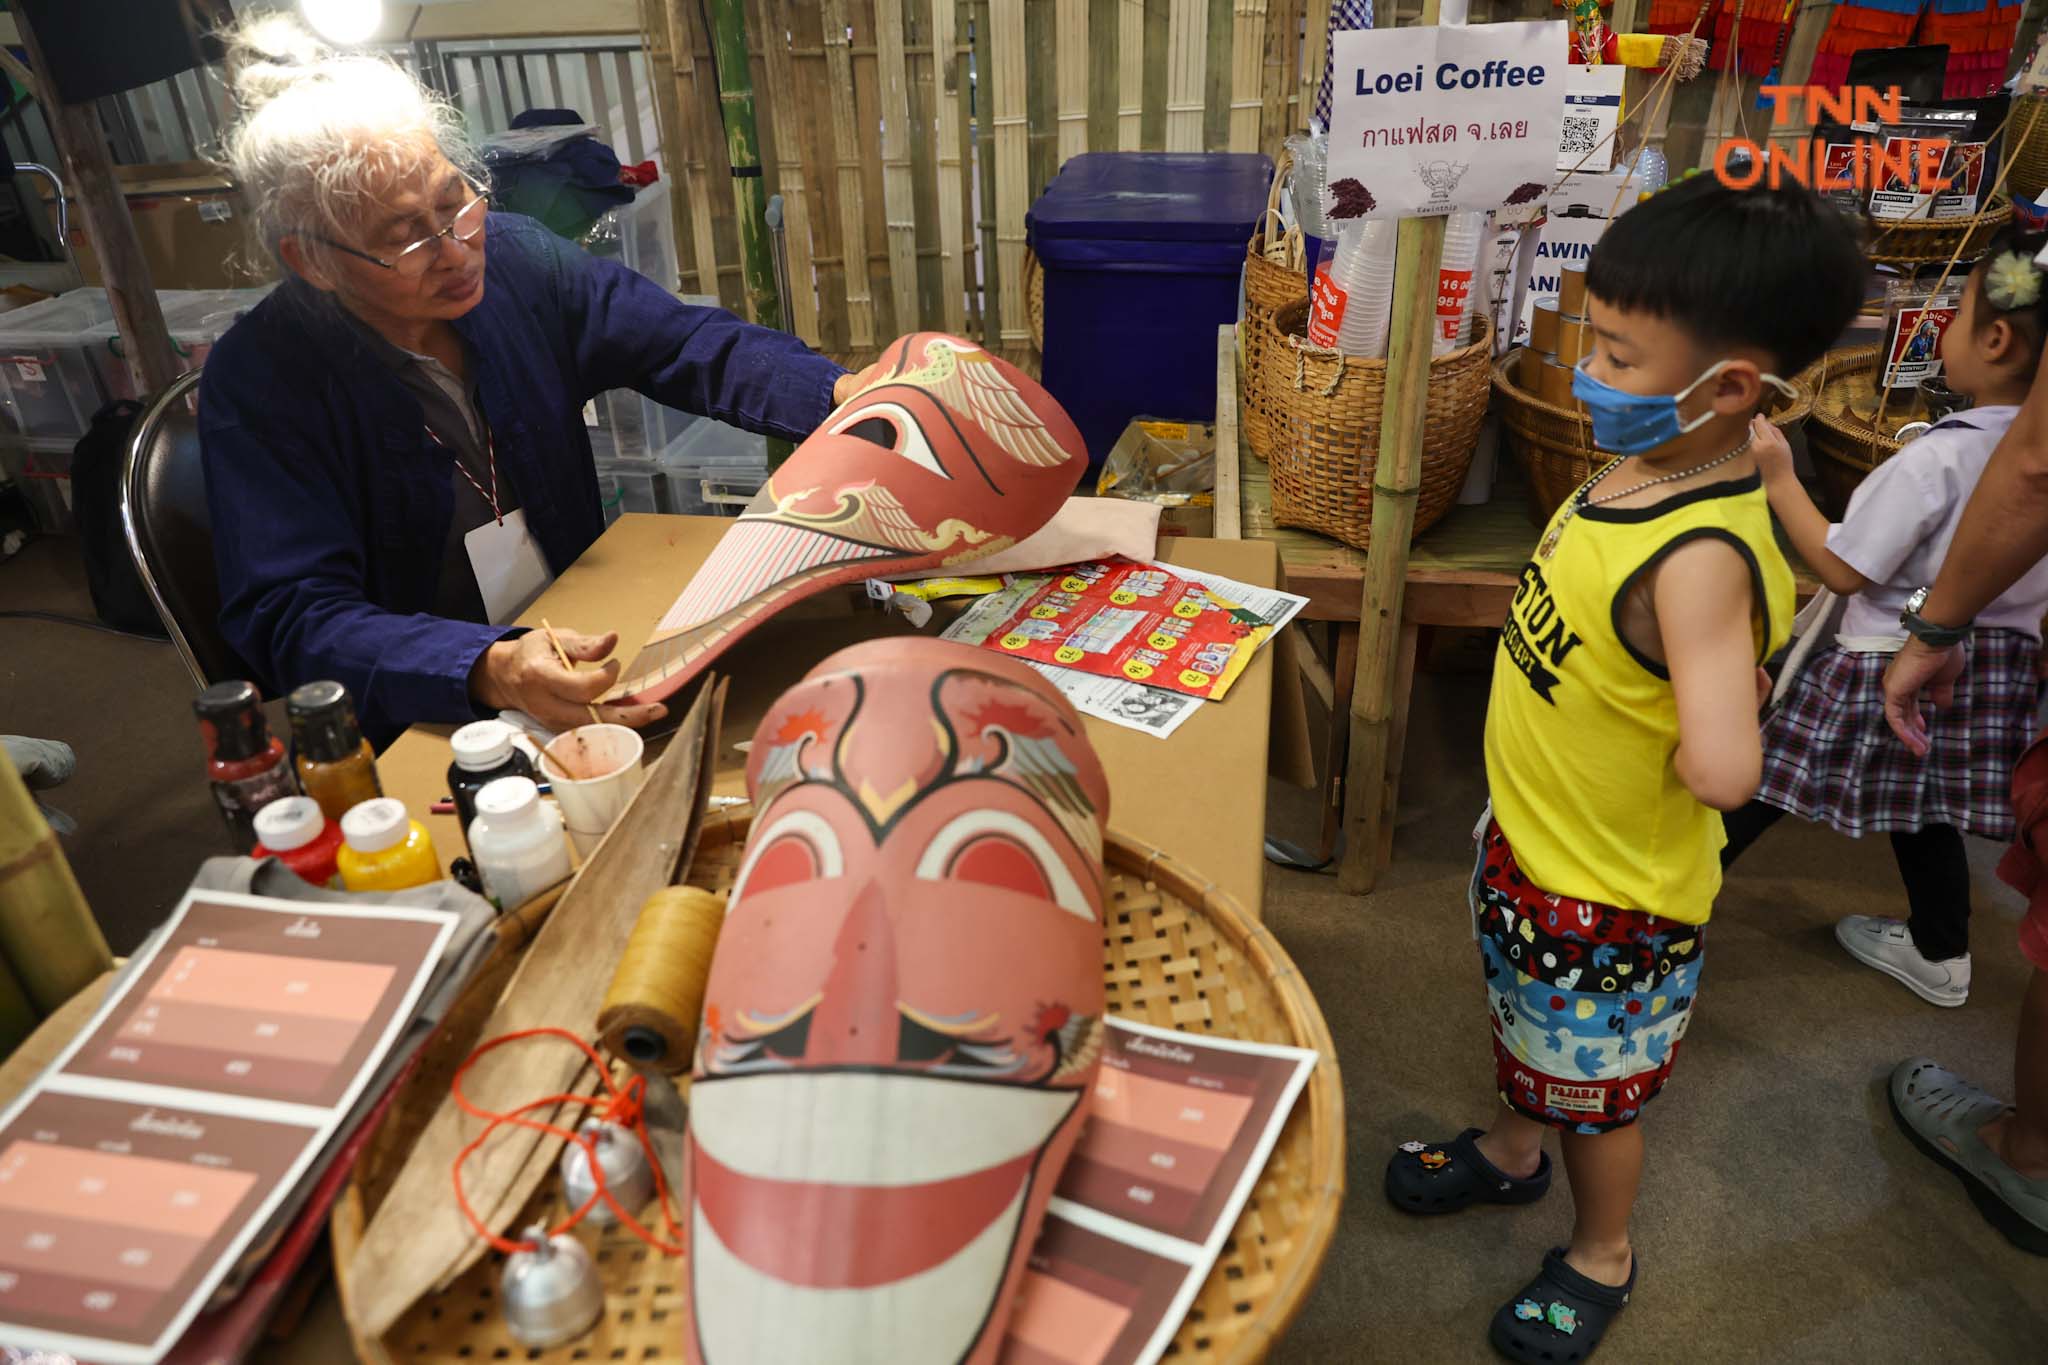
{"x":1887,"y":944}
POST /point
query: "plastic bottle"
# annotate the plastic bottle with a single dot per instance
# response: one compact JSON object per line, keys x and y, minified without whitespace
{"x":336,"y":765}
{"x":298,"y":834}
{"x":517,"y":842}
{"x":244,"y":761}
{"x":383,"y":849}
{"x":1652,"y":171}
{"x":484,"y":752}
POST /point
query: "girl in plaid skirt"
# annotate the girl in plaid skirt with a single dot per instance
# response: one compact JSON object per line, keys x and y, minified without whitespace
{"x":1828,"y":754}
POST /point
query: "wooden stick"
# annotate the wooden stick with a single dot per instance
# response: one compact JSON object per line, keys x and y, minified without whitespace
{"x":950,"y":84}
{"x":1229,"y":506}
{"x":1130,"y":83}
{"x":562,"y":654}
{"x":1007,"y":98}
{"x":898,"y":193}
{"x":853,"y":232}
{"x":1247,"y":63}
{"x":89,"y":175}
{"x":789,"y":159}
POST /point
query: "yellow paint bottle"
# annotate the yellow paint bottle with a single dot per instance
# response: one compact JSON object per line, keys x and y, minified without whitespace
{"x":383,"y":849}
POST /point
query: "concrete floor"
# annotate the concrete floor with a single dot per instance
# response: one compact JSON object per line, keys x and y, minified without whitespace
{"x":1783,"y":1218}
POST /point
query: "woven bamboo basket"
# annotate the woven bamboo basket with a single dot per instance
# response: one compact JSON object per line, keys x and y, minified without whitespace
{"x":2026,"y":147}
{"x":1326,"y":429}
{"x":1274,"y":276}
{"x":1555,"y":444}
{"x":1177,"y":953}
{"x":1921,"y":242}
{"x":1845,"y":447}
{"x":1034,"y":299}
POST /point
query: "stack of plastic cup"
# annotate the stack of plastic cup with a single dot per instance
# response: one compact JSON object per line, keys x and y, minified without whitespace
{"x":1306,"y":183}
{"x":1353,"y":297}
{"x":1464,"y":233}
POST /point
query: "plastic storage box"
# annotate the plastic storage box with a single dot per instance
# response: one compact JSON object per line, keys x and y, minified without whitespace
{"x":49,"y":378}
{"x":197,"y":318}
{"x":716,"y":468}
{"x":1142,"y":254}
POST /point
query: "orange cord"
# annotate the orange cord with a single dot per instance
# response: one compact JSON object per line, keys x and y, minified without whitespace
{"x":623,"y":1105}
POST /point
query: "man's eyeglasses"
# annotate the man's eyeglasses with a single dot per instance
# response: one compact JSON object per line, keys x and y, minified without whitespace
{"x":412,"y":261}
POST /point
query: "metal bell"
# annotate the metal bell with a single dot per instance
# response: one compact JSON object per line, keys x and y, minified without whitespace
{"x":626,"y":1173}
{"x":550,"y":1290}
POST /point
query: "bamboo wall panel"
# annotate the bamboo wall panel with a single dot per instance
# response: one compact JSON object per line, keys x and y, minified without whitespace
{"x":898,"y":197}
{"x":909,"y":138}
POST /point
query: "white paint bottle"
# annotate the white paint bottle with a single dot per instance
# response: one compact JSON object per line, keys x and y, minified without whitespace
{"x":517,"y":842}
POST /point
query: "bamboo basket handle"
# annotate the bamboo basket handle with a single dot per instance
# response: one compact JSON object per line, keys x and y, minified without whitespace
{"x":1282,"y":164}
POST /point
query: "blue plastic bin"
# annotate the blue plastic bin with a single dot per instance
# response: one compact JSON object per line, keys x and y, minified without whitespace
{"x":1142,"y":253}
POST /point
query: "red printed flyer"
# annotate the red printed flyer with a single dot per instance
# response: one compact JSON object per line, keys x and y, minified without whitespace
{"x":1116,"y":618}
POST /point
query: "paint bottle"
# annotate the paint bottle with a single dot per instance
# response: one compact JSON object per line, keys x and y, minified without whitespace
{"x":336,"y":765}
{"x":384,"y":849}
{"x":484,"y":752}
{"x":244,"y":761}
{"x":298,"y":834}
{"x":517,"y":842}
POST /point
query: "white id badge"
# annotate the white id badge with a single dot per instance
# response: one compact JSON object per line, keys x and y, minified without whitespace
{"x":510,"y":569}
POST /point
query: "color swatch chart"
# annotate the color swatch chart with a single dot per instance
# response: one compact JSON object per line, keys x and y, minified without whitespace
{"x":1178,"y":1129}
{"x":134,"y":1171}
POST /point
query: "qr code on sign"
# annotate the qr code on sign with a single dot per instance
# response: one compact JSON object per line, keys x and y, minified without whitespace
{"x":1581,"y":135}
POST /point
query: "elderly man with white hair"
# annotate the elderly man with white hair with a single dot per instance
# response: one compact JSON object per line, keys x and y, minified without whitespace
{"x":393,"y":441}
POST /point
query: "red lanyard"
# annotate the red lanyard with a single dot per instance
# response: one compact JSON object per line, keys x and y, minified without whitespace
{"x":491,"y":450}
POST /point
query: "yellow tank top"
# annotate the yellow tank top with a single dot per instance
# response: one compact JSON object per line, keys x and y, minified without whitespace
{"x":1581,"y":730}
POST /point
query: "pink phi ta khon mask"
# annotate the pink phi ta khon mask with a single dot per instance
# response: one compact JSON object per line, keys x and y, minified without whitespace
{"x":947,"y":454}
{"x":904,"y":1013}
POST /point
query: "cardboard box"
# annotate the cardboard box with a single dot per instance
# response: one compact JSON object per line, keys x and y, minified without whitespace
{"x":1169,"y":463}
{"x":192,"y":223}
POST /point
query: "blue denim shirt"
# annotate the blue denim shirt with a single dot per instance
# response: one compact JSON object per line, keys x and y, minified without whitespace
{"x":331,"y":505}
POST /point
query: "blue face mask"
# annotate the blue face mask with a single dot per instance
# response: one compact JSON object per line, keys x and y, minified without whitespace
{"x":1631,"y":423}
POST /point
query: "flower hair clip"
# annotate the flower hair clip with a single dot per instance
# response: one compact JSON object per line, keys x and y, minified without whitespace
{"x":2012,"y":282}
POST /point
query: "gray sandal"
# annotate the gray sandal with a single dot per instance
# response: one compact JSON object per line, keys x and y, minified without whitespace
{"x":1941,"y":1112}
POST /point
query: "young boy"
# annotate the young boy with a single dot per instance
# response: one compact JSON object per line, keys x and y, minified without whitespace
{"x":1623,"y":719}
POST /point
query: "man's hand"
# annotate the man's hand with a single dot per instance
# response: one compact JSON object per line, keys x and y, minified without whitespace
{"x":845,"y":387}
{"x":1913,"y":668}
{"x":523,"y":674}
{"x":1768,"y":445}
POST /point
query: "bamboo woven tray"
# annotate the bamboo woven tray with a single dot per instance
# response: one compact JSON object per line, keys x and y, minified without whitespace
{"x":1919,"y":241}
{"x":1176,"y":953}
{"x":1844,"y":446}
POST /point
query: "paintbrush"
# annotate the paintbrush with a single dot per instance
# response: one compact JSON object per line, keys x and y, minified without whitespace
{"x":554,"y":640}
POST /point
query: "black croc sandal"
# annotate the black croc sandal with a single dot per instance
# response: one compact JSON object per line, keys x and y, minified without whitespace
{"x":1560,"y":1316}
{"x":1443,"y":1177}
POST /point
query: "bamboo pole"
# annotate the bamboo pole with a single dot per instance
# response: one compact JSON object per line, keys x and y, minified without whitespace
{"x":796,"y":208}
{"x":1219,"y":49}
{"x":1158,"y":74}
{"x":1276,"y":84}
{"x":1071,"y":67}
{"x":1007,"y":98}
{"x":1315,"y":54}
{"x":661,"y":75}
{"x":867,"y":128}
{"x":950,"y":74}
{"x":973,"y":260}
{"x":1041,"y":100}
{"x":1186,"y":54}
{"x":1102,"y":75}
{"x":692,"y":168}
{"x":1397,"y":475}
{"x":924,"y":160}
{"x":49,"y":941}
{"x":1247,"y":63}
{"x":812,"y":97}
{"x":853,"y":233}
{"x":1130,"y":84}
{"x":898,"y":193}
{"x":985,"y":214}
{"x":743,"y":151}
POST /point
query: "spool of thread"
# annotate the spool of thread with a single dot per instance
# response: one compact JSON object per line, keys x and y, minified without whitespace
{"x":650,"y":1013}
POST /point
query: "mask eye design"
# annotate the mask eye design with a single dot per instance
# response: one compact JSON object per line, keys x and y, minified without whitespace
{"x":890,"y":426}
{"x":758,"y":1043}
{"x":799,"y":847}
{"x":996,"y":848}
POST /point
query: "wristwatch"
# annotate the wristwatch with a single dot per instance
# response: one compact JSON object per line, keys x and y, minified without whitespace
{"x":1925,"y":631}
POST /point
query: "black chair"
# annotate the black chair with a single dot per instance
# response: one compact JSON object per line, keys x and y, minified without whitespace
{"x":170,"y":532}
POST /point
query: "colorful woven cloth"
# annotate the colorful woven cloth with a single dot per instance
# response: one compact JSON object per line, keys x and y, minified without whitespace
{"x":1345,"y":14}
{"x":1766,"y":25}
{"x":1977,"y":33}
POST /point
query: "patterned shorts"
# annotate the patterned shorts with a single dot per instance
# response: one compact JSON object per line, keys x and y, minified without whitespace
{"x":1588,"y":1001}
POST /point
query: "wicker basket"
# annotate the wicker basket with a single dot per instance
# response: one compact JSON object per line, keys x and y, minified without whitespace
{"x":1555,"y":444}
{"x":1922,"y":242}
{"x":1273,"y":278}
{"x":1844,"y":446}
{"x":1177,"y":953}
{"x":1326,"y":429}
{"x":1034,"y":299}
{"x":2026,"y":147}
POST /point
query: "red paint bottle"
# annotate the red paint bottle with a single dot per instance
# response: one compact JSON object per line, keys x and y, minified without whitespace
{"x":244,"y":761}
{"x":298,"y":834}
